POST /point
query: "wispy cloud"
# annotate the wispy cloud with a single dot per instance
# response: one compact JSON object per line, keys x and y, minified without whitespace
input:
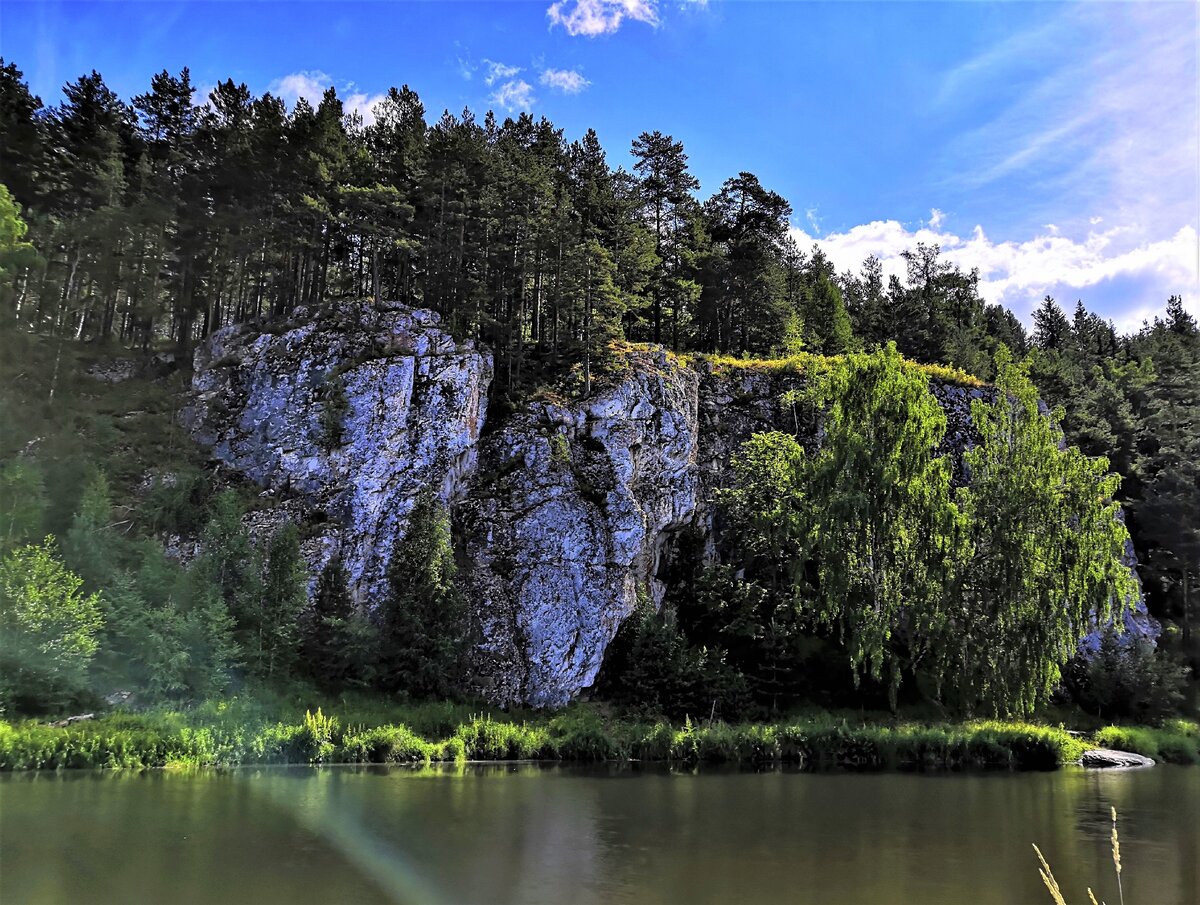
{"x":1019,"y":274}
{"x":463,"y":62}
{"x":568,"y":81}
{"x":498,"y":72}
{"x":592,"y":18}
{"x":1097,"y":108}
{"x":514,"y":95}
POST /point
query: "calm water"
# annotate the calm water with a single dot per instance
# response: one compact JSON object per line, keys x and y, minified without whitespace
{"x":529,"y":834}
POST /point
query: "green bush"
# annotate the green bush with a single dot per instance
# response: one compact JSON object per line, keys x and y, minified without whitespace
{"x":48,"y":631}
{"x":386,"y":745}
{"x":1171,"y":743}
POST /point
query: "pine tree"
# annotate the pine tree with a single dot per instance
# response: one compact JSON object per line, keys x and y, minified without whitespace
{"x":422,"y":631}
{"x":273,"y":638}
{"x":1052,"y":330}
{"x":337,"y":642}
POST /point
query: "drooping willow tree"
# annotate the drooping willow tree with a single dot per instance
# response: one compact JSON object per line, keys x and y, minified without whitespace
{"x":985,"y":588}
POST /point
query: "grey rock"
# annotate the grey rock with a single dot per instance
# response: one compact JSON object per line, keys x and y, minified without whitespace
{"x":410,"y":403}
{"x":567,"y":524}
{"x":1106,"y":757}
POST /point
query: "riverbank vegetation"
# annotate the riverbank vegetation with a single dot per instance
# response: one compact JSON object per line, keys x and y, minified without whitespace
{"x":365,"y":730}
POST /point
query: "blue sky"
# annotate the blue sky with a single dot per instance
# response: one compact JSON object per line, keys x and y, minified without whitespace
{"x":1053,"y":146}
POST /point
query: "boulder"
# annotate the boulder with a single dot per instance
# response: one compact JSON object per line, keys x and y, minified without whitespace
{"x":1106,"y":757}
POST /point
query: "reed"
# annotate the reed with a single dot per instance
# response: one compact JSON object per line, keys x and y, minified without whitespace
{"x":1052,"y":886}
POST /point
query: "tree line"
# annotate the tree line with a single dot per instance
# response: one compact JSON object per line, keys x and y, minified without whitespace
{"x":170,"y":215}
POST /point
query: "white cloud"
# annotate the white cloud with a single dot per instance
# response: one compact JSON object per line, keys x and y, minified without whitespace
{"x":1019,"y":274}
{"x":600,"y":17}
{"x":308,"y":84}
{"x":568,"y":81}
{"x":363,"y":104}
{"x":498,"y":72}
{"x":935,"y":218}
{"x":514,"y":95}
{"x":312,"y":84}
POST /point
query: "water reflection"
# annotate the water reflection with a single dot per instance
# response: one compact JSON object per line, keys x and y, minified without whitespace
{"x":531,"y":833}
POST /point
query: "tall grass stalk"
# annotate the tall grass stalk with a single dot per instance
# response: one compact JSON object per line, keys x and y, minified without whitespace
{"x":1047,"y":874}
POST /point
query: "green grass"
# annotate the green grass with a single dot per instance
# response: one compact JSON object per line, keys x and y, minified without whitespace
{"x":281,"y":731}
{"x":1175,"y":742}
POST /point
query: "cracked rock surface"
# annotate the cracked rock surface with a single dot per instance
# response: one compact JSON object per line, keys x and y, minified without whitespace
{"x":564,"y":514}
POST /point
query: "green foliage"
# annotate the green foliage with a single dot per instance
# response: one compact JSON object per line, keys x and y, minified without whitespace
{"x":92,"y":548}
{"x":1174,"y":744}
{"x":241,"y":732}
{"x":422,"y":635}
{"x":17,"y":256}
{"x":1042,"y":557}
{"x":338,"y":644}
{"x":1128,"y":678}
{"x":272,"y":627}
{"x":233,"y":568}
{"x":22,"y":503}
{"x":653,"y":668}
{"x":386,"y":745}
{"x":48,"y":630}
{"x":177,"y":503}
{"x":825,"y":318}
{"x":871,"y":510}
{"x":987,"y":589}
{"x":560,"y":449}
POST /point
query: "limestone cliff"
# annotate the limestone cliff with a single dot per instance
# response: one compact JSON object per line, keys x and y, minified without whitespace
{"x":352,"y":411}
{"x":563,"y":513}
{"x":567,"y":523}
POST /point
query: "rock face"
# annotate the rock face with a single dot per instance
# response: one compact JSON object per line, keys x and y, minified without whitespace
{"x":564,"y":514}
{"x":354,"y":411}
{"x":567,"y":523}
{"x":1106,"y":757}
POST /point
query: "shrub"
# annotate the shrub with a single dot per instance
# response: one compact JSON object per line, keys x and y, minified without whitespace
{"x":1167,"y":744}
{"x":48,"y":630}
{"x":1127,"y":678}
{"x":386,"y":745}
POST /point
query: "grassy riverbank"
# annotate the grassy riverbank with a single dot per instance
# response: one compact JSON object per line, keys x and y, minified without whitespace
{"x":250,"y":732}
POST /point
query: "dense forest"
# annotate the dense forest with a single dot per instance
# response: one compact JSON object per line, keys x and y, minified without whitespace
{"x":143,"y":226}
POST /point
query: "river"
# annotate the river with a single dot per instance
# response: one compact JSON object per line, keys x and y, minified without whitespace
{"x":524,"y":833}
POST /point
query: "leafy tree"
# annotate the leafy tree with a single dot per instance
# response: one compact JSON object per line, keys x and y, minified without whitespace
{"x":22,"y":503}
{"x":1043,"y":557}
{"x":273,"y":636}
{"x":862,"y":524}
{"x":17,"y":256}
{"x":48,"y":630}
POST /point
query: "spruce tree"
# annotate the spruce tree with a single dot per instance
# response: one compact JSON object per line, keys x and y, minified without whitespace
{"x":422,"y":630}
